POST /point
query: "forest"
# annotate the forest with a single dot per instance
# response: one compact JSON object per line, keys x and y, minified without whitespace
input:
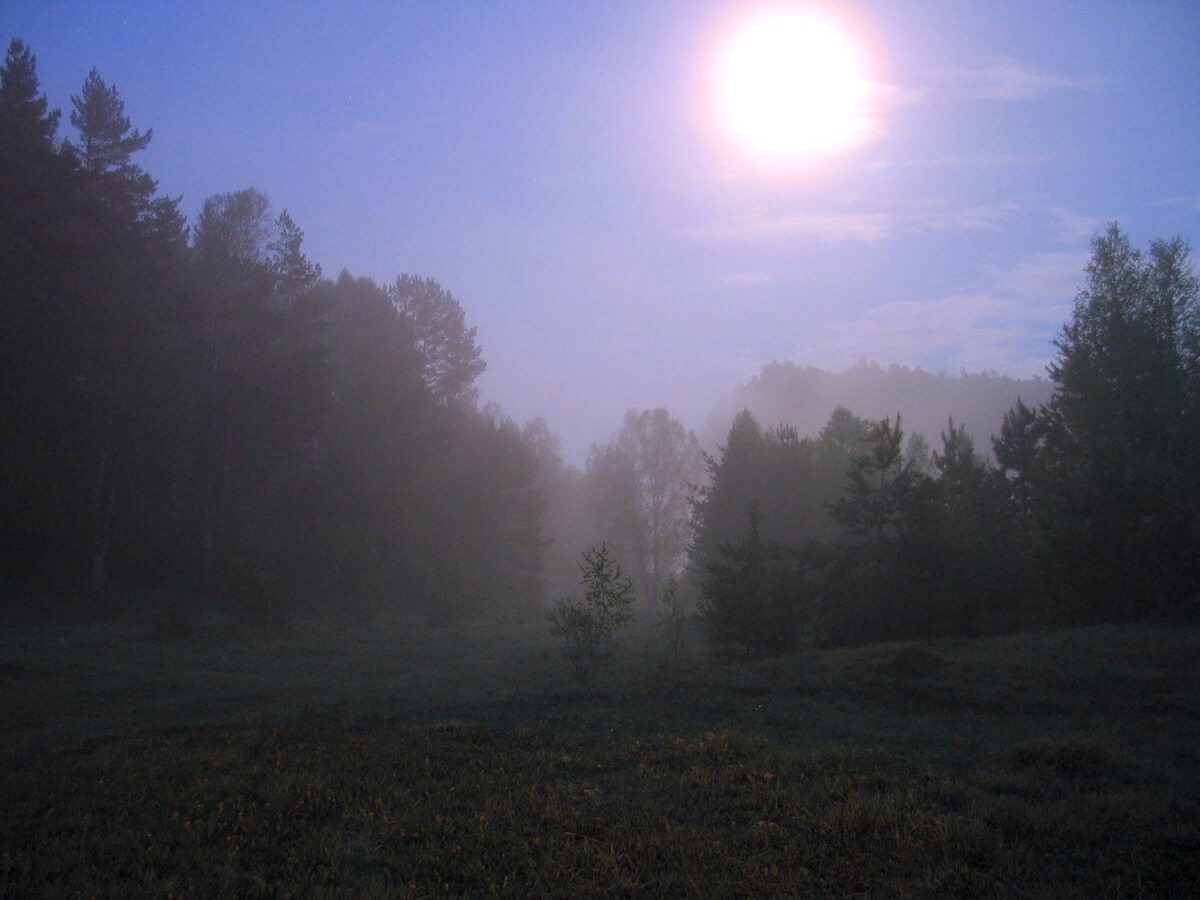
{"x":197,"y":417}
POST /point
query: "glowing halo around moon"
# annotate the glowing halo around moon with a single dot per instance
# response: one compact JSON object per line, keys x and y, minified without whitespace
{"x":790,"y":84}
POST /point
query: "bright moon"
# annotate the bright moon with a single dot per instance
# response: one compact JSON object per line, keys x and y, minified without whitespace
{"x":791,"y":84}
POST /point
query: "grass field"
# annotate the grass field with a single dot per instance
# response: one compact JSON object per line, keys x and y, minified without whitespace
{"x":386,"y":759}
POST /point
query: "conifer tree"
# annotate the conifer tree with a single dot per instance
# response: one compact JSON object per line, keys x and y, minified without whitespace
{"x":879,"y":477}
{"x":107,"y":139}
{"x":30,"y":126}
{"x":452,"y":358}
{"x":1124,"y":443}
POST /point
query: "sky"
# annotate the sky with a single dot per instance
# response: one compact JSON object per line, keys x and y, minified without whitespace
{"x":563,"y":170}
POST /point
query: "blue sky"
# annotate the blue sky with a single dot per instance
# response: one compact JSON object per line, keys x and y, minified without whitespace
{"x":555,"y":167}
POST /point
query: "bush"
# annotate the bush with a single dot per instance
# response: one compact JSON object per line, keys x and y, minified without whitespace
{"x":588,"y":626}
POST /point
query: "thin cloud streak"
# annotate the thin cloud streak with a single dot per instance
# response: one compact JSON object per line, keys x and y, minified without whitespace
{"x":1192,"y":203}
{"x":852,"y":227}
{"x":826,"y":227}
{"x":1007,"y":79}
{"x":1046,"y":280}
{"x":979,"y":218}
{"x":973,"y":160}
{"x":1072,"y":227}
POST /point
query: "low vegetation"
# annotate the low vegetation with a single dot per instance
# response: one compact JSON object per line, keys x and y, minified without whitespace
{"x":392,"y":759}
{"x":588,"y":625}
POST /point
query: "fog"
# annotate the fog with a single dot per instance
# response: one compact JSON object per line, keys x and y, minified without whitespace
{"x":636,"y":448}
{"x":804,"y":397}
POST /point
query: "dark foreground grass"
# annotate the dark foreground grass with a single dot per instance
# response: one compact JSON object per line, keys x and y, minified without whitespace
{"x":317,"y":809}
{"x":389,"y":761}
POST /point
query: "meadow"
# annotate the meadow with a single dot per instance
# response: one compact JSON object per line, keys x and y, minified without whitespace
{"x":385,"y":758}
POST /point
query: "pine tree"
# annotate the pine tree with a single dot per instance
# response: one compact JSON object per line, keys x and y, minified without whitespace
{"x":733,"y":484}
{"x":107,"y":139}
{"x":294,"y":273}
{"x":452,"y":358}
{"x":752,"y":597}
{"x":29,"y":125}
{"x":878,"y":478}
{"x":120,"y":195}
{"x":33,"y":171}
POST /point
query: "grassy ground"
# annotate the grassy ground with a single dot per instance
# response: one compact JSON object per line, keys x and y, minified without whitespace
{"x":386,"y":759}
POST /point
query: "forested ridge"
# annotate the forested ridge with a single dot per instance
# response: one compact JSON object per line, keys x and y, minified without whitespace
{"x":195,"y":411}
{"x":803,"y":396}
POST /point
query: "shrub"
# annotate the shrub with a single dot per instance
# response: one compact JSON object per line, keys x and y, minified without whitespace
{"x":588,"y":626}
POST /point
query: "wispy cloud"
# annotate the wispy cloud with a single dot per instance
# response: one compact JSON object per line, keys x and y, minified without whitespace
{"x":1004,"y":78}
{"x":1187,"y":202}
{"x":895,"y":95}
{"x":852,"y":227}
{"x":1072,"y":227}
{"x":833,"y":227}
{"x":962,"y":331}
{"x":1006,"y":325}
{"x":1042,"y":285}
{"x":938,"y":217}
{"x":993,"y":160}
{"x":878,"y":103}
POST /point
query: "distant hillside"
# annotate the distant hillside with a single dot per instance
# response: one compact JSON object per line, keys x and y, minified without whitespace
{"x":786,"y":393}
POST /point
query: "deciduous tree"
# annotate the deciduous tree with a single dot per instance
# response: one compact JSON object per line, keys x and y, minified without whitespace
{"x":588,"y":626}
{"x":642,"y":484}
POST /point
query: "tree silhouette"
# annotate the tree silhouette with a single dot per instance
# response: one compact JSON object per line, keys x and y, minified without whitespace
{"x":451,"y":357}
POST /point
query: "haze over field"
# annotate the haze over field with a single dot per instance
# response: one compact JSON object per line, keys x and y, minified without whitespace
{"x":567,"y":172}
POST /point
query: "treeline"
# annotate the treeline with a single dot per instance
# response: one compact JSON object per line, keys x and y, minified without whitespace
{"x":198,"y":410}
{"x":803,"y":396}
{"x":1090,"y":512}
